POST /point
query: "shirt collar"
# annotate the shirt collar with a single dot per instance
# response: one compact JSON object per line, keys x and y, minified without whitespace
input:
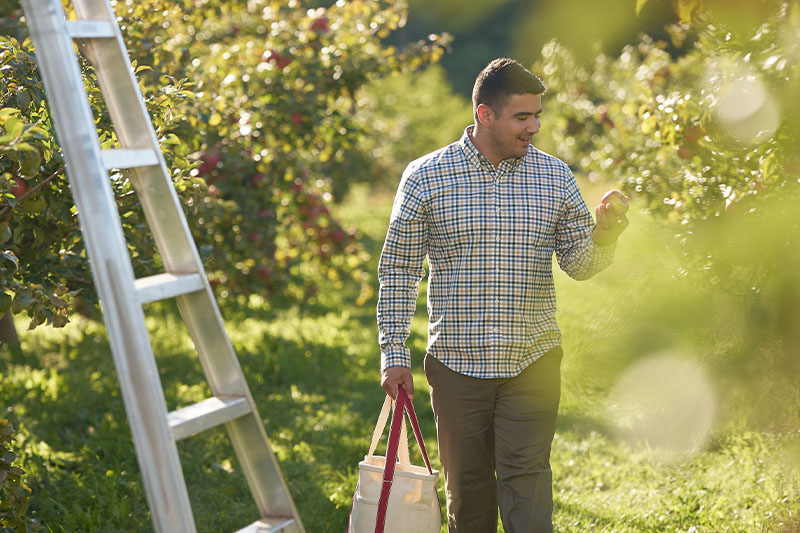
{"x":481,"y":161}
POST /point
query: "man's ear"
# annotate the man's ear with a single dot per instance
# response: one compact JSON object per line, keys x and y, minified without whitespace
{"x":485,"y":113}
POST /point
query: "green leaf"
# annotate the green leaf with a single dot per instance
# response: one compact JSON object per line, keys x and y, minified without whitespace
{"x":686,"y":9}
{"x":21,"y":303}
{"x":23,"y":100}
{"x":31,"y":163}
{"x":5,"y":302}
{"x":639,"y":5}
{"x":8,"y":254}
{"x":171,"y":139}
{"x":14,"y":126}
{"x":5,"y":233}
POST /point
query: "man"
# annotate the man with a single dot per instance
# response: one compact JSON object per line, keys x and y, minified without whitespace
{"x":489,"y":211}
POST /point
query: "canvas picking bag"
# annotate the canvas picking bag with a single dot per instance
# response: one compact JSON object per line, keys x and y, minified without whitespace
{"x":393,"y":495}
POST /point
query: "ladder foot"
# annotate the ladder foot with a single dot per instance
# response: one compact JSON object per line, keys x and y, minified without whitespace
{"x":272,"y":525}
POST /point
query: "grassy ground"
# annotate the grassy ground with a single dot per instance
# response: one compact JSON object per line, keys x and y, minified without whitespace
{"x":314,"y":374}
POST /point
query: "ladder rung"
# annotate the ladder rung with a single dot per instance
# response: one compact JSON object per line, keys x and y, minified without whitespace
{"x":207,"y":414}
{"x":90,"y":29}
{"x":128,"y":158}
{"x":163,"y":286}
{"x":270,"y":525}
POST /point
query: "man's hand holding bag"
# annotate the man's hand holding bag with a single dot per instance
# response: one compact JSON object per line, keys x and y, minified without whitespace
{"x":395,"y":496}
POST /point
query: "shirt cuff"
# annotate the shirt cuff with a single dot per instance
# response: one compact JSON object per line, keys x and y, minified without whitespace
{"x":395,"y":355}
{"x":604,"y":253}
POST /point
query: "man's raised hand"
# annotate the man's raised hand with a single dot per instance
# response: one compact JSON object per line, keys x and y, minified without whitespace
{"x":610,"y":217}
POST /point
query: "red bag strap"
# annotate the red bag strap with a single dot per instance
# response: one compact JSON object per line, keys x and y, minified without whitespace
{"x":417,"y":433}
{"x":402,"y":405}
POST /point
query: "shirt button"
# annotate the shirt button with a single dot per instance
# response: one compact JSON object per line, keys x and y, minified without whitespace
{"x":496,"y":330}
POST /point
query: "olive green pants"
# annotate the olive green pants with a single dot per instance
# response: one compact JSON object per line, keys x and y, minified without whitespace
{"x":494,"y":444}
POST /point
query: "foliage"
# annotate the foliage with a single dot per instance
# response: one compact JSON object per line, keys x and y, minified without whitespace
{"x":708,"y":136}
{"x":14,"y":493}
{"x":664,"y":126}
{"x":254,"y":107}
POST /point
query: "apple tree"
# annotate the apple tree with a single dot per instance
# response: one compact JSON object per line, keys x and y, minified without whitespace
{"x":254,"y":106}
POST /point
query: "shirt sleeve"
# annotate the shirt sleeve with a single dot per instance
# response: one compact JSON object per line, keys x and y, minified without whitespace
{"x":400,"y":270}
{"x":577,"y":253}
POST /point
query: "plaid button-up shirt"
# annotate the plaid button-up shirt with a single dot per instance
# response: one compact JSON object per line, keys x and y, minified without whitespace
{"x":489,"y":236}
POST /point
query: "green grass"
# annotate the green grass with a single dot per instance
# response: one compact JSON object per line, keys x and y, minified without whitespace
{"x":314,"y":374}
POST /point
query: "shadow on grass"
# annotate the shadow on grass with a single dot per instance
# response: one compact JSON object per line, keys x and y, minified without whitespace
{"x":580,"y":426}
{"x":579,"y":518}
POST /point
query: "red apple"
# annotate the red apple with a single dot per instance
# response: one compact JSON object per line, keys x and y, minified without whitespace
{"x":694,"y":134}
{"x":210,"y":162}
{"x":255,"y":179}
{"x":265,"y":273}
{"x":320,"y":25}
{"x":684,"y":152}
{"x":19,"y":188}
{"x":280,"y":61}
{"x":297,"y":118}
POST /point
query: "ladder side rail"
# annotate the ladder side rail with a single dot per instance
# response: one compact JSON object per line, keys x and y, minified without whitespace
{"x":112,"y":271}
{"x":134,"y":129}
{"x":247,"y":433}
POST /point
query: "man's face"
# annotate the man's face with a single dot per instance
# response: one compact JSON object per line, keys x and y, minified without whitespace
{"x":513,"y":126}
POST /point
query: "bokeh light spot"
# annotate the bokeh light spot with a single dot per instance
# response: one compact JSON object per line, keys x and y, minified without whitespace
{"x":665,"y":403}
{"x":747,"y":111}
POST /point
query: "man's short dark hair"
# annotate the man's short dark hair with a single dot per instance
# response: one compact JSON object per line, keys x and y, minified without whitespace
{"x":499,"y":80}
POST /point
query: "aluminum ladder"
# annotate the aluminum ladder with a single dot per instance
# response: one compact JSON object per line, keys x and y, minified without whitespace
{"x":155,"y":431}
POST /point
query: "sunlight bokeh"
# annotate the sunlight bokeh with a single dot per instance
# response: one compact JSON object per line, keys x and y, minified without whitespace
{"x":746,"y":110}
{"x":665,"y":402}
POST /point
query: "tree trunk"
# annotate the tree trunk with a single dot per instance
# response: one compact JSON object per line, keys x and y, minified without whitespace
{"x":8,"y":336}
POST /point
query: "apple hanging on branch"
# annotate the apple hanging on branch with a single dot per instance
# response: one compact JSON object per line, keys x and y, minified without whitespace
{"x":19,"y":188}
